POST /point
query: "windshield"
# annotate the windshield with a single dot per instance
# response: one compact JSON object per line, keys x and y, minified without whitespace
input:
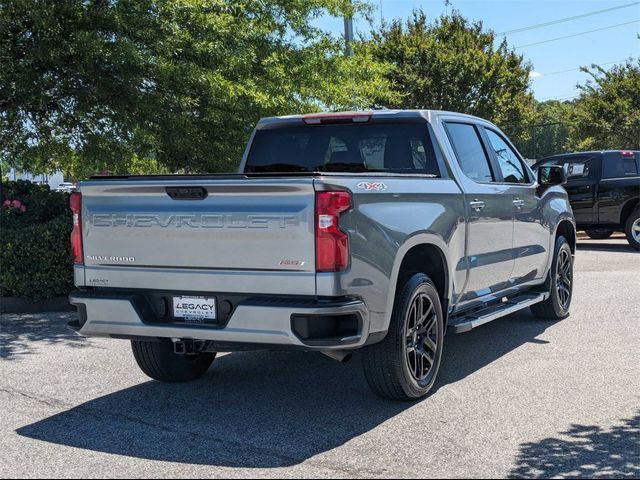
{"x":379,"y":147}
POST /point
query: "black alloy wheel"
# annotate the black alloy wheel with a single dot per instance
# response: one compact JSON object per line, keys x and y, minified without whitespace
{"x":421,"y":337}
{"x":564,"y":278}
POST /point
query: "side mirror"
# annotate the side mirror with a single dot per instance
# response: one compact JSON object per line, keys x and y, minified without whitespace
{"x":550,"y":175}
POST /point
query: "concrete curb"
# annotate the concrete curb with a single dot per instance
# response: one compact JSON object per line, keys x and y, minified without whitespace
{"x":26,"y":305}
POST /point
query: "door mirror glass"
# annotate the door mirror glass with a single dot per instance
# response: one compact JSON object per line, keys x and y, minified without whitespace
{"x":549,"y":175}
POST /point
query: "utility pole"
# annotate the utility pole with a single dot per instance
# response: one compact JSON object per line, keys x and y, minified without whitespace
{"x":348,"y":36}
{"x":348,"y":43}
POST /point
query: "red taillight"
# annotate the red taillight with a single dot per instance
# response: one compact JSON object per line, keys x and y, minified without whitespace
{"x":332,"y":244}
{"x":75,"y":202}
{"x":627,"y":153}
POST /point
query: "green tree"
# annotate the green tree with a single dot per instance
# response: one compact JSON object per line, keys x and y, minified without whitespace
{"x":548,"y":134}
{"x":91,"y":85}
{"x":452,"y":64}
{"x":607,"y":113}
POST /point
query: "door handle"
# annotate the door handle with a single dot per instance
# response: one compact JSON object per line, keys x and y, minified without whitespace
{"x":518,"y":203}
{"x":477,"y":205}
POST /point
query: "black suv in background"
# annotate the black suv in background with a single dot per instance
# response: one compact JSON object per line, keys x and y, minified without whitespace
{"x":603,"y":188}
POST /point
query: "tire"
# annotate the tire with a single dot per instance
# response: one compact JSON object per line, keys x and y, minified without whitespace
{"x":632,"y":229}
{"x":391,"y":367}
{"x":556,"y":307}
{"x":599,"y":234}
{"x":158,"y":361}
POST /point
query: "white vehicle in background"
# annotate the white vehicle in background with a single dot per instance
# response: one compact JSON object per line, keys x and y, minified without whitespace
{"x":67,"y":187}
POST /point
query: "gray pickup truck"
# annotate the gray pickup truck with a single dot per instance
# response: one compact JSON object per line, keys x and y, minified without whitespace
{"x":359,"y":231}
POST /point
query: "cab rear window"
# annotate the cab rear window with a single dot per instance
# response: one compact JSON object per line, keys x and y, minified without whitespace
{"x":379,"y":147}
{"x":619,"y":165}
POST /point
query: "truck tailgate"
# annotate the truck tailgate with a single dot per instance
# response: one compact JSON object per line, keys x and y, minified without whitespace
{"x":162,"y":234}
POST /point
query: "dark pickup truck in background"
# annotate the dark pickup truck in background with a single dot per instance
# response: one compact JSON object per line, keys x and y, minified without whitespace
{"x":603,"y":188}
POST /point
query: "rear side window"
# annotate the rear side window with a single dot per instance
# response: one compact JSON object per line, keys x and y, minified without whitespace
{"x":513,"y":170}
{"x":617,"y":165}
{"x":372,"y":147}
{"x":470,"y":152}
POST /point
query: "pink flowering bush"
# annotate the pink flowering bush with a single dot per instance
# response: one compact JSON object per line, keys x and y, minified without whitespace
{"x":25,"y":203}
{"x":15,"y":205}
{"x":35,"y":251}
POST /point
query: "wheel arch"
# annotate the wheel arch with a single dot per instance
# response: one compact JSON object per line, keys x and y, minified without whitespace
{"x":422,"y":253}
{"x":567,"y":229}
{"x":627,"y":209}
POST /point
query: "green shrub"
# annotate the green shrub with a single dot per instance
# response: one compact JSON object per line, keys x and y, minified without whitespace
{"x":35,"y":251}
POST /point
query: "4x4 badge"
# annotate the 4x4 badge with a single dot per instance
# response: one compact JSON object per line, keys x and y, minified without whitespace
{"x":372,"y":186}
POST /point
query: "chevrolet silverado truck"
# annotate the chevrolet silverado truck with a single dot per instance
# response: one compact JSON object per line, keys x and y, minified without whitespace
{"x":604,"y":191}
{"x":360,"y":231}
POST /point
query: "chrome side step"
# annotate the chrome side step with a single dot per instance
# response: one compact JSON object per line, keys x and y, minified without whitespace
{"x":469,"y":321}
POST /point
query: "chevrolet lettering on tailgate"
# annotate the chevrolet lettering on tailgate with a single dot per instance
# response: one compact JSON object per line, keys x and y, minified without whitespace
{"x":193,"y":221}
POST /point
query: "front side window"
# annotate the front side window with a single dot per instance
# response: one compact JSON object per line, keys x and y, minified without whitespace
{"x":513,"y":171}
{"x":578,"y":168}
{"x":469,"y":151}
{"x":545,"y":162}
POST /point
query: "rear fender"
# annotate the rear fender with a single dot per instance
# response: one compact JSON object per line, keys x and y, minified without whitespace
{"x":420,"y":238}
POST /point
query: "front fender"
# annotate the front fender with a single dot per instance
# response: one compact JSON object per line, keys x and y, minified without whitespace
{"x":563,"y":217}
{"x":556,"y":209}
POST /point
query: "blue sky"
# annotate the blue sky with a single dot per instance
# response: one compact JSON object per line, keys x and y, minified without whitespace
{"x":601,"y":47}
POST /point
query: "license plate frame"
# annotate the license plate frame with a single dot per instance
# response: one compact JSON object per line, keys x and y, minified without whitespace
{"x":194,"y":310}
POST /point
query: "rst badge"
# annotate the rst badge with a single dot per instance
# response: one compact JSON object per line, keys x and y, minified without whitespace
{"x":292,"y":263}
{"x":377,"y":186}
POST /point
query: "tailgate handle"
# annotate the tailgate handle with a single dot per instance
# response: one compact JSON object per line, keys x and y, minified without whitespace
{"x":187,"y":193}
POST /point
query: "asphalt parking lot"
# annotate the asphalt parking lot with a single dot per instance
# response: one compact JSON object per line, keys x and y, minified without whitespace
{"x":516,"y":398}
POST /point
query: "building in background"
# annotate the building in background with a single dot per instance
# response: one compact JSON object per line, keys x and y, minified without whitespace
{"x":53,"y":180}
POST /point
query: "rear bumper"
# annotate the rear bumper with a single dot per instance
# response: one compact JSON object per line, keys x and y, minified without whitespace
{"x":253,"y":322}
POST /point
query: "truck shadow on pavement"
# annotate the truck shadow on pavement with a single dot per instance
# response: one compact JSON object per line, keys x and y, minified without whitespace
{"x":262,"y":409}
{"x":584,"y":451}
{"x":20,"y":334}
